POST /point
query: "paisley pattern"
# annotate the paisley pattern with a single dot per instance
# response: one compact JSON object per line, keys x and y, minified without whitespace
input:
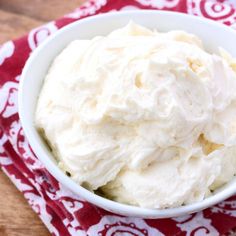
{"x":38,"y":35}
{"x":61,"y":211}
{"x":115,"y":226}
{"x":222,"y":11}
{"x":196,"y":224}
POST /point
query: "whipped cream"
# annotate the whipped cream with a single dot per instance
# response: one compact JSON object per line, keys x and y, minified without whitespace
{"x":147,"y":118}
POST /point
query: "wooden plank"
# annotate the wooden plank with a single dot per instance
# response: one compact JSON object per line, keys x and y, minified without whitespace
{"x":17,"y":17}
{"x":40,"y":9}
{"x":16,"y":216}
{"x":14,"y":25}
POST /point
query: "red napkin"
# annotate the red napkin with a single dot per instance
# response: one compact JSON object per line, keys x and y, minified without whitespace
{"x":61,"y":211}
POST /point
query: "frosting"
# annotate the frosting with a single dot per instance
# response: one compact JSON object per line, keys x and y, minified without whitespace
{"x":147,"y":118}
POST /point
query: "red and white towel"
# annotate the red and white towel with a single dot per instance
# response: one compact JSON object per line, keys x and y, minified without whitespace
{"x":61,"y":211}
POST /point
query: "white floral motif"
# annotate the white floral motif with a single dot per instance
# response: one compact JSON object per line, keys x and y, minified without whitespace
{"x":3,"y":140}
{"x":226,"y":207}
{"x":113,"y":225}
{"x":89,"y":8}
{"x":6,"y":50}
{"x":21,"y":145}
{"x":217,"y":10}
{"x":159,"y":3}
{"x":19,"y":184}
{"x":129,"y":8}
{"x":72,"y":230}
{"x":5,"y":161}
{"x":220,"y":11}
{"x":39,"y":207}
{"x":38,"y":35}
{"x":8,"y":98}
{"x":196,"y":225}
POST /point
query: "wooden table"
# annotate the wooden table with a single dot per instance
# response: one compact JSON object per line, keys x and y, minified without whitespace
{"x":17,"y":17}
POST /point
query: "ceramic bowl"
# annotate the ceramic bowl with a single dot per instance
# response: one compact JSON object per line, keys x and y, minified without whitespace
{"x":213,"y":35}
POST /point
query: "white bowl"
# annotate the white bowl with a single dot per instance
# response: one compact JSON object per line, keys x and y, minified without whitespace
{"x":213,"y":36}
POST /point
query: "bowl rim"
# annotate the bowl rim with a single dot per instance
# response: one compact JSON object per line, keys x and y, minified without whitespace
{"x":76,"y":188}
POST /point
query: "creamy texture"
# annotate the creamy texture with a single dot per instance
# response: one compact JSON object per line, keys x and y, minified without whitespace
{"x":147,"y":118}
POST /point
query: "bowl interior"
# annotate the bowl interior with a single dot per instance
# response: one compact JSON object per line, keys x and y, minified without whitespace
{"x":213,"y":36}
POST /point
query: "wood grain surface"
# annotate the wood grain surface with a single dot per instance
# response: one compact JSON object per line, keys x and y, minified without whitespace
{"x":17,"y":17}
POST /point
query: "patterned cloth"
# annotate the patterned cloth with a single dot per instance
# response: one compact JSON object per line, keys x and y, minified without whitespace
{"x":61,"y":211}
